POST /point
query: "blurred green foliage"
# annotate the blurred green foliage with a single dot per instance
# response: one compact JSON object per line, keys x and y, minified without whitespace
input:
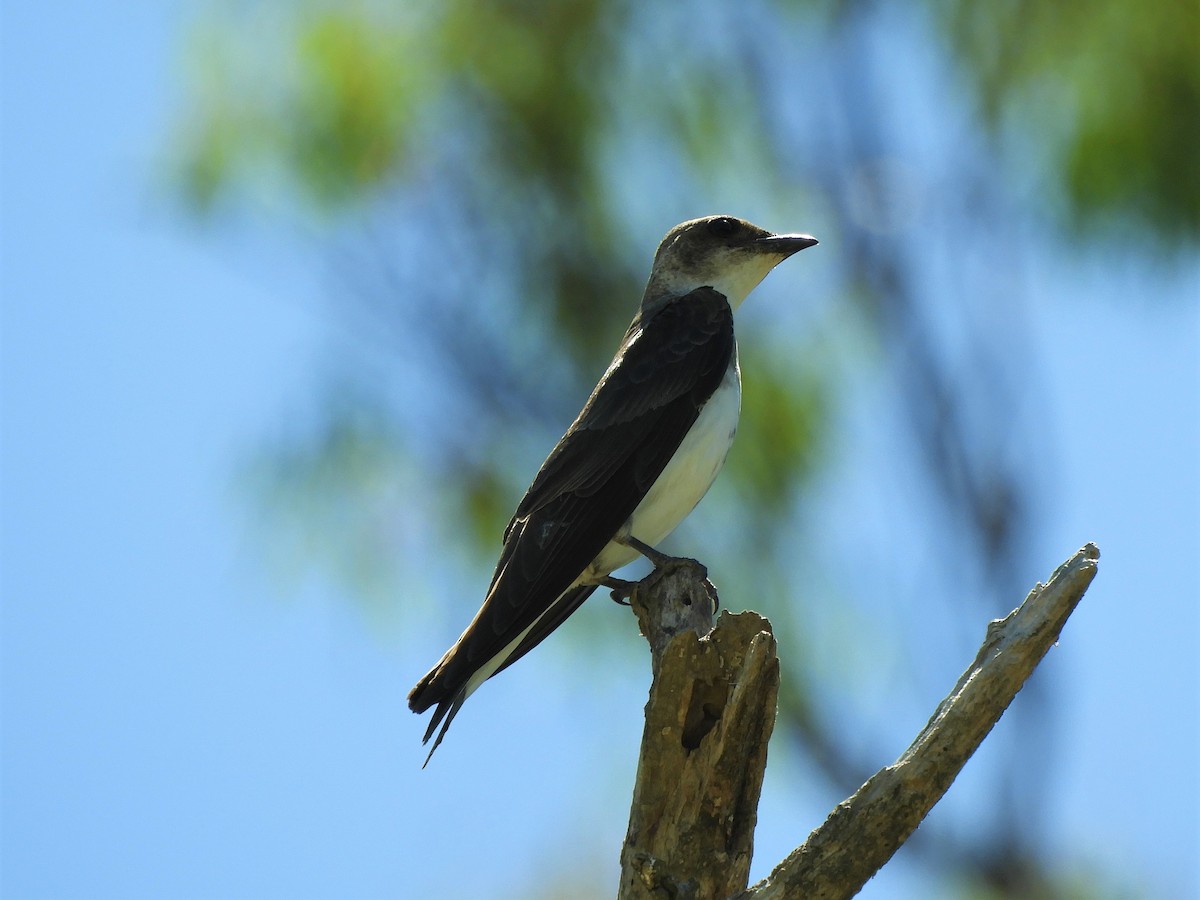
{"x":352,"y":105}
{"x":779,"y":439}
{"x":1112,"y":89}
{"x":499,"y":169}
{"x":337,"y":96}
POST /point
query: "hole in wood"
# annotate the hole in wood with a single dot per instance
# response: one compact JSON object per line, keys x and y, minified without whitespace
{"x":705,"y":708}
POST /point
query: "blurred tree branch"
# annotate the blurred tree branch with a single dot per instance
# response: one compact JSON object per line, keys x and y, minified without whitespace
{"x":709,"y":718}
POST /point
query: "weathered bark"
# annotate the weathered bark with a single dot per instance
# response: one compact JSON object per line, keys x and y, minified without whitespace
{"x":704,"y":748}
{"x":710,"y":715}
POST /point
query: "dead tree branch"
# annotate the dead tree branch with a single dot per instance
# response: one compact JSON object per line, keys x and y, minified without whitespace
{"x":704,"y":748}
{"x":710,"y":715}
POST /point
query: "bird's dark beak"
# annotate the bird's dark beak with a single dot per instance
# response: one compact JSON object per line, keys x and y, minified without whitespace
{"x":785,"y":244}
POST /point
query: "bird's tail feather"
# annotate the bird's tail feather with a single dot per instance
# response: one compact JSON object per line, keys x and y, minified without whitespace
{"x":447,"y":709}
{"x":435,"y":682}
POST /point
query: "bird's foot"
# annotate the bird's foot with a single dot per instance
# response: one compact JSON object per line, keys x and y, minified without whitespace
{"x":621,"y":589}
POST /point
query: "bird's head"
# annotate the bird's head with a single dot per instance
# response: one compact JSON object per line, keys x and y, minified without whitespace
{"x":725,"y":253}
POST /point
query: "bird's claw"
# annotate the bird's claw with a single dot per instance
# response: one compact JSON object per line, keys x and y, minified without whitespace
{"x":621,"y":590}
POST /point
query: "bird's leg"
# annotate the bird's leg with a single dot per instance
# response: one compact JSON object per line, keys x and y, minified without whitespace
{"x":621,"y":589}
{"x":655,"y":556}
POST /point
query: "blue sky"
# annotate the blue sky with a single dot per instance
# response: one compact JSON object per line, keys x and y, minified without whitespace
{"x":173,"y":727}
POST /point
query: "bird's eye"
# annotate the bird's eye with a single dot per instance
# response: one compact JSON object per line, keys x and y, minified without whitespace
{"x":722,"y":226}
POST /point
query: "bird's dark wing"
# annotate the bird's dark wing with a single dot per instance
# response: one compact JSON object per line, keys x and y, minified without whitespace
{"x":665,"y":370}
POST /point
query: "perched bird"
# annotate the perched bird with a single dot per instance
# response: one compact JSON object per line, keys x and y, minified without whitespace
{"x":644,"y":450}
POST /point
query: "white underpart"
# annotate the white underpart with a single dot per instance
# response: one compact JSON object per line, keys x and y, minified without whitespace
{"x":684,"y":481}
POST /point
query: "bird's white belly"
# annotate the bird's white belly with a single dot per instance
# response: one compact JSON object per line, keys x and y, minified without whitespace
{"x":685,"y":480}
